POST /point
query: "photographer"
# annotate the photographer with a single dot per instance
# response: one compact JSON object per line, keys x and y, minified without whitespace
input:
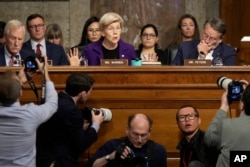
{"x":62,"y":138}
{"x":19,"y":122}
{"x":135,"y":150}
{"x":230,"y":134}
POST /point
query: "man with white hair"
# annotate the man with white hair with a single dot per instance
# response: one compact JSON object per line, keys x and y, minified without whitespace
{"x":11,"y":53}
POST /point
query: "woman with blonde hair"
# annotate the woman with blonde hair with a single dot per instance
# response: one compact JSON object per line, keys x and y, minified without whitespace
{"x":110,"y":46}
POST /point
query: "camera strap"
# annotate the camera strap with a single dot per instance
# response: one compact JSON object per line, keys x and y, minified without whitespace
{"x":33,"y":87}
{"x":43,"y":90}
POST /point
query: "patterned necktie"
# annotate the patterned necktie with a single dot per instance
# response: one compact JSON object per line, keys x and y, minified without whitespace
{"x":12,"y":59}
{"x":38,"y":50}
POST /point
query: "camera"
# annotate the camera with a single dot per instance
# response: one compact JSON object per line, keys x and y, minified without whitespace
{"x":131,"y":160}
{"x":235,"y":88}
{"x":107,"y":114}
{"x":30,"y":62}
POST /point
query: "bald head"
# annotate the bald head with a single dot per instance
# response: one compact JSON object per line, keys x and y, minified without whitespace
{"x":140,"y":120}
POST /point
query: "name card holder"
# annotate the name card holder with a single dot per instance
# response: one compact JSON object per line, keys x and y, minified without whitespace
{"x":114,"y":62}
{"x":195,"y":62}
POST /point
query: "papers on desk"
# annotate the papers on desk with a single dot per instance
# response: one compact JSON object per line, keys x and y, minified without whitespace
{"x":245,"y":39}
{"x":151,"y":63}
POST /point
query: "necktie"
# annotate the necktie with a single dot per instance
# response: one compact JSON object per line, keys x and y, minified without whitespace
{"x":38,"y":50}
{"x":12,"y":59}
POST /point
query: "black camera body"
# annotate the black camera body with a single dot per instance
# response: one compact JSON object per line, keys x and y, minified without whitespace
{"x":31,"y":64}
{"x":131,"y":160}
{"x":235,"y":88}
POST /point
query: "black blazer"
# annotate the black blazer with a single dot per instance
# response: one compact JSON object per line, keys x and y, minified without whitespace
{"x":62,"y":139}
{"x":55,"y":53}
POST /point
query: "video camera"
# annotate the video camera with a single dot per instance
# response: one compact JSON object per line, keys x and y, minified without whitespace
{"x":235,"y":88}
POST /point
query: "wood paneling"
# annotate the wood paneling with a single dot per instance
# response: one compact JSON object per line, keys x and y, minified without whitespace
{"x":236,"y":14}
{"x":154,"y":90}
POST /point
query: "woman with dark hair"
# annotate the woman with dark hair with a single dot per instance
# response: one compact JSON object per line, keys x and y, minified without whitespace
{"x":149,"y":50}
{"x":90,"y":33}
{"x":187,"y":29}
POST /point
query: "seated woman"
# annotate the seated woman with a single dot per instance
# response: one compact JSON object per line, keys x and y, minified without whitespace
{"x":110,"y":46}
{"x":149,"y":49}
{"x":54,"y":34}
{"x":90,"y":33}
{"x":187,"y":29}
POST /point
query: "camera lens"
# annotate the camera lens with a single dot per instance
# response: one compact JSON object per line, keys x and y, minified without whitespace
{"x":107,"y":114}
{"x":223,"y":82}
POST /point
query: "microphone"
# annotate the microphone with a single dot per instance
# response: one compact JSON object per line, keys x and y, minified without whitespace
{"x":202,"y":53}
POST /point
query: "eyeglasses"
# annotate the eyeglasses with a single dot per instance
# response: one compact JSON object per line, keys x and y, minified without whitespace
{"x":92,"y":31}
{"x":209,"y":38}
{"x":145,"y":35}
{"x":36,"y":26}
{"x":113,"y":29}
{"x":137,"y":135}
{"x":191,"y":116}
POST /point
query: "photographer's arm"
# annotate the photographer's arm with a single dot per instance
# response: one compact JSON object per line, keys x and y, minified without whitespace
{"x":97,"y":120}
{"x":43,"y":68}
{"x":213,"y":134}
{"x":104,"y":160}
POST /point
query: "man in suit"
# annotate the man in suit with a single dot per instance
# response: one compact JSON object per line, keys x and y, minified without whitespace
{"x":36,"y":28}
{"x":11,"y":53}
{"x":230,"y":134}
{"x":210,"y":47}
{"x":62,"y":139}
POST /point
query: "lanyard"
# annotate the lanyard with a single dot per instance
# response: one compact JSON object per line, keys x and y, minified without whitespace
{"x":189,"y":159}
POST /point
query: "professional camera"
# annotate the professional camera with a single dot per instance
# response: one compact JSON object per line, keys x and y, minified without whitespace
{"x":131,"y":160}
{"x":30,"y":62}
{"x":235,"y":88}
{"x":107,"y":114}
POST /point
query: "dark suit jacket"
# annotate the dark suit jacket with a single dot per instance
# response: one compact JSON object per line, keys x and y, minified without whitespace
{"x":55,"y":53}
{"x":23,"y":53}
{"x":188,"y":50}
{"x":62,"y":138}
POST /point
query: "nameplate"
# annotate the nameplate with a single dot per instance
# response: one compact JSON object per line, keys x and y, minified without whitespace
{"x":114,"y":62}
{"x":195,"y":62}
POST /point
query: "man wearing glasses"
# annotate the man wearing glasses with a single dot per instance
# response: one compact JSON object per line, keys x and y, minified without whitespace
{"x":193,"y":151}
{"x":209,"y":47}
{"x":132,"y":150}
{"x":36,"y":27}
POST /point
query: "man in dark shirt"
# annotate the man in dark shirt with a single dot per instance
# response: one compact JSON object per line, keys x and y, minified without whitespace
{"x":62,"y":138}
{"x":193,"y":151}
{"x":132,"y":150}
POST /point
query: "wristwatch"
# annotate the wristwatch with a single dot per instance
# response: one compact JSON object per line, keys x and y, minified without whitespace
{"x":107,"y":157}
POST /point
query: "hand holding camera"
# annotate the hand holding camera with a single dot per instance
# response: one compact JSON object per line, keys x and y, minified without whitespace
{"x":97,"y":116}
{"x":126,"y":157}
{"x":234,"y":88}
